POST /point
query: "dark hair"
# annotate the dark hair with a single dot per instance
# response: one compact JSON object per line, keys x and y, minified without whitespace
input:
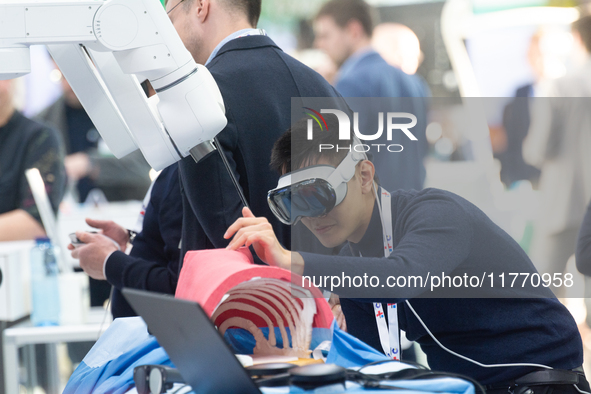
{"x":250,"y":8}
{"x":294,"y":150}
{"x":583,"y":27}
{"x":344,"y":11}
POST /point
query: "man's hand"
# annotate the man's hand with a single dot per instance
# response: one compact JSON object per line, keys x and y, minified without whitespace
{"x":335,"y":306}
{"x":258,"y":232}
{"x":77,"y":165}
{"x":111,"y":230}
{"x":93,"y":253}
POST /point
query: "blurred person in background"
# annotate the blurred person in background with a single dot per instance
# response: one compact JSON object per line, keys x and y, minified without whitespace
{"x":559,"y":144}
{"x":398,"y":45}
{"x":344,"y":31}
{"x":25,"y":144}
{"x":516,"y":121}
{"x":583,"y":254}
{"x":314,"y":58}
{"x":89,"y":163}
{"x":583,"y":259}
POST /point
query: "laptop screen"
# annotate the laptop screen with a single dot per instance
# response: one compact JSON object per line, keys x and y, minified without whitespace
{"x":192,"y":342}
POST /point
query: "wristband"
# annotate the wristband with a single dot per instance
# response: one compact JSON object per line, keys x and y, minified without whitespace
{"x":131,"y":234}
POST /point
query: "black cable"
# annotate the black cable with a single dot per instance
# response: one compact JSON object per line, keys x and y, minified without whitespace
{"x":374,"y":381}
{"x":477,"y":385}
{"x":230,"y":172}
{"x":414,"y":364}
{"x":106,"y":312}
{"x":273,"y":381}
{"x":179,"y":389}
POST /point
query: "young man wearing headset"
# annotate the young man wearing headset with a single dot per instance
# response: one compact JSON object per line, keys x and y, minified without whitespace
{"x":521,"y":345}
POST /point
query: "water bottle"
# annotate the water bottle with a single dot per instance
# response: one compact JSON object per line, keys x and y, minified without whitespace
{"x":44,"y":284}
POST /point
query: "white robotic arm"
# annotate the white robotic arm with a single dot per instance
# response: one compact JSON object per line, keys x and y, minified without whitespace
{"x":104,"y":48}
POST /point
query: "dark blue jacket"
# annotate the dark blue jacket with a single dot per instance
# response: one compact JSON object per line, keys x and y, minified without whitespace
{"x":366,"y":74}
{"x":258,"y":81}
{"x":435,"y":231}
{"x":154,"y":259}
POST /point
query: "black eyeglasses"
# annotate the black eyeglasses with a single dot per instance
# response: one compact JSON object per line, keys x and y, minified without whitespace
{"x":172,"y":9}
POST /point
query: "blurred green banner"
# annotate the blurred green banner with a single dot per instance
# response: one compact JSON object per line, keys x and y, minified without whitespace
{"x":484,"y":6}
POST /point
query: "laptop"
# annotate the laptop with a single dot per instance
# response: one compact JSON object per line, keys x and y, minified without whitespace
{"x":193,"y":343}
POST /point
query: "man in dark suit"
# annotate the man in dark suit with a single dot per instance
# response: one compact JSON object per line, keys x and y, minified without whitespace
{"x":258,"y":81}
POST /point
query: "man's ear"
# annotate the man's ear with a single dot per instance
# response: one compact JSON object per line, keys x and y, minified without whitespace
{"x":355,"y":28}
{"x":203,"y":9}
{"x":366,"y":174}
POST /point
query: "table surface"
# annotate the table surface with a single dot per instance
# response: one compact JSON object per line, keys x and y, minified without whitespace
{"x":25,"y":333}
